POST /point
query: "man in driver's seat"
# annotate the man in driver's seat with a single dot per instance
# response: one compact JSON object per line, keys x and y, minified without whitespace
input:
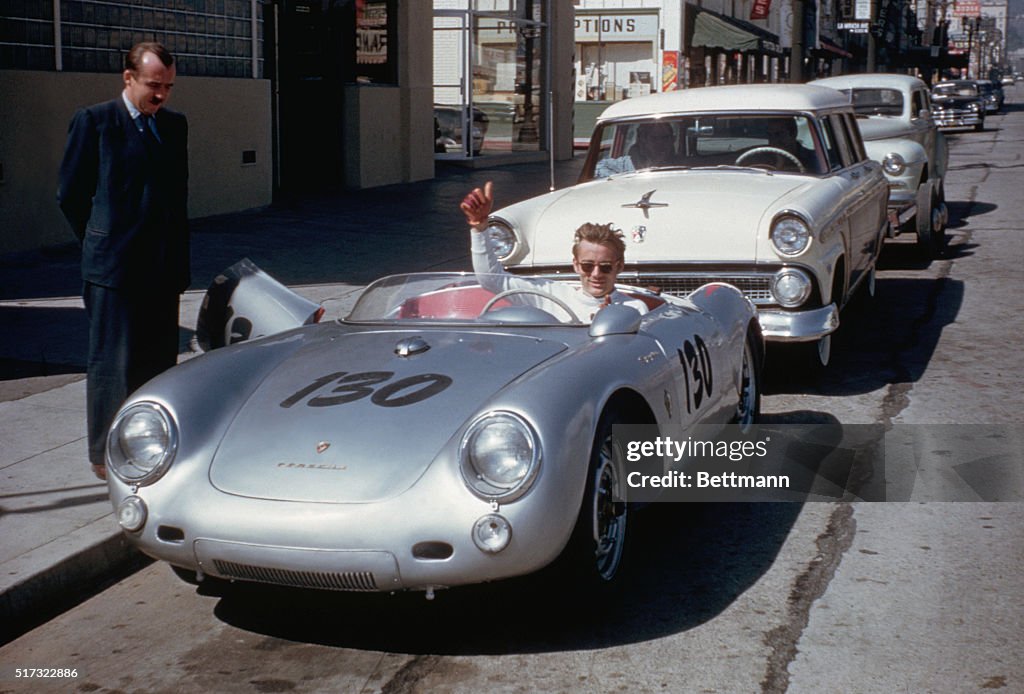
{"x":781,"y":133}
{"x":597,"y":256}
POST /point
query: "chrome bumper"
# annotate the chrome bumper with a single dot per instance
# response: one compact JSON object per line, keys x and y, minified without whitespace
{"x":798,"y":326}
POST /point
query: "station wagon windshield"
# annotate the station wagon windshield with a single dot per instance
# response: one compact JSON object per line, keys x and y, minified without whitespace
{"x":704,"y":140}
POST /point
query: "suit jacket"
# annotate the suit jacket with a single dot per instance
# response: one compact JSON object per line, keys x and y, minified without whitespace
{"x":126,"y":197}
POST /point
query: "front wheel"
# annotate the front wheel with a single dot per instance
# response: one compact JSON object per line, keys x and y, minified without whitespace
{"x":931,"y":230}
{"x":748,"y":408}
{"x":593,"y":559}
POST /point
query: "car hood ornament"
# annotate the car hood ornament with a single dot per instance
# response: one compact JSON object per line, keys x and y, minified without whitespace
{"x":322,"y":446}
{"x":644,"y":203}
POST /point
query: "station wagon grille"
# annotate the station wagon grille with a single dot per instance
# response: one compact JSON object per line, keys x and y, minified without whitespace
{"x":348,"y":580}
{"x":757,"y":288}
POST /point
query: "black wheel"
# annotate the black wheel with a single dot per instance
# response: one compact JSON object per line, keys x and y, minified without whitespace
{"x":748,"y":407}
{"x":931,"y":237}
{"x":594,"y":558}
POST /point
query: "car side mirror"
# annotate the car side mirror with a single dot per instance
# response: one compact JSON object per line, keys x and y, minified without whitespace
{"x":925,"y":114}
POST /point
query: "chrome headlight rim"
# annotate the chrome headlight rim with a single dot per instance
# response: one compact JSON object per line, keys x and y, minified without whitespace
{"x":790,"y":234}
{"x":803,"y":282}
{"x":480,"y":482}
{"x":894,"y":164}
{"x":503,"y":238}
{"x":119,"y":460}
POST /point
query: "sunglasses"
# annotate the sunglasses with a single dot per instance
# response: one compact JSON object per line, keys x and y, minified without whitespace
{"x":587,"y":267}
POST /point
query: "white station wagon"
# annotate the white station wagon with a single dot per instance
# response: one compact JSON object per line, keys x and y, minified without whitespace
{"x":899,"y":131}
{"x":765,"y":187}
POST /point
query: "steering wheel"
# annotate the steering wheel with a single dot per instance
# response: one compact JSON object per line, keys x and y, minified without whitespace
{"x":509,"y":292}
{"x":771,"y":150}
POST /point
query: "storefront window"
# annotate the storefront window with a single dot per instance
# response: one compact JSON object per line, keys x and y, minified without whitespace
{"x":488,"y":76}
{"x":618,"y":56}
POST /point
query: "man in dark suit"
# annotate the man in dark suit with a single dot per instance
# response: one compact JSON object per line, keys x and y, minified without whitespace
{"x":124,"y":189}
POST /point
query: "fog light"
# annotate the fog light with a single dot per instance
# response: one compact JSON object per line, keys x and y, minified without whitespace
{"x":791,"y":287}
{"x":492,"y":533}
{"x":131,"y":513}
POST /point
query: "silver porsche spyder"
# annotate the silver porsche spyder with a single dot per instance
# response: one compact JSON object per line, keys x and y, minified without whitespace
{"x":441,"y":434}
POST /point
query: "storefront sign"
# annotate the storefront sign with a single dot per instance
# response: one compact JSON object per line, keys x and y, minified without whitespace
{"x":669,"y":71}
{"x":760,"y":9}
{"x":854,"y":27}
{"x":371,"y":33}
{"x":610,"y":28}
{"x":966,"y":8}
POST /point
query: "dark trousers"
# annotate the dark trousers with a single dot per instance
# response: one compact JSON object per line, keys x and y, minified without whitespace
{"x":133,"y":336}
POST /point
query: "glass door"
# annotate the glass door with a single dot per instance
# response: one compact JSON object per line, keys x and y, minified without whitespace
{"x":455,"y":134}
{"x":507,"y":86}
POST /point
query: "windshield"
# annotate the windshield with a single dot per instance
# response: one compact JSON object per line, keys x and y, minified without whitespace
{"x":455,"y":297}
{"x":777,"y":142}
{"x":955,"y":90}
{"x":876,"y":102}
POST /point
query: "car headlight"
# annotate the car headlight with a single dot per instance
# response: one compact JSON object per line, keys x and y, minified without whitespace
{"x":142,"y":442}
{"x":790,"y":235}
{"x":500,"y":456}
{"x":974,"y":106}
{"x":791,"y":287}
{"x":894,"y":164}
{"x":503,"y":239}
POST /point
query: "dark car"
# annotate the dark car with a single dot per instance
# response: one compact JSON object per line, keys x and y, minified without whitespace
{"x":448,"y":128}
{"x":958,"y":104}
{"x":992,"y":97}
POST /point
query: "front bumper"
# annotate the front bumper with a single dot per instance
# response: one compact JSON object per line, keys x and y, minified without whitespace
{"x":798,"y":326}
{"x":965,"y":119}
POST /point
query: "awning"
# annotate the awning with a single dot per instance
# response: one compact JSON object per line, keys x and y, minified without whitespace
{"x":827,"y":49}
{"x":713,"y":30}
{"x":929,"y":57}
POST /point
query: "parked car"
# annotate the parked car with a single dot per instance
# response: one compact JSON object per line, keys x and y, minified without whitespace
{"x":895,"y":120}
{"x":439,"y":435}
{"x":992,"y":97}
{"x":448,"y":136}
{"x":958,"y":104}
{"x":766,"y":187}
{"x":1007,"y":81}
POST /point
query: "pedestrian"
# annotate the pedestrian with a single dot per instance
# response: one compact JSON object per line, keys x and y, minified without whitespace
{"x":123,"y":187}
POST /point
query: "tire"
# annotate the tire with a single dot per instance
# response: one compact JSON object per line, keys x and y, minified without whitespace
{"x":594,"y":558}
{"x":978,"y":127}
{"x":931,"y":237}
{"x":748,"y":407}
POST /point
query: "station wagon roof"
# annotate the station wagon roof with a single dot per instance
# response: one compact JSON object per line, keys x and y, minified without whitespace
{"x":747,"y":97}
{"x":878,"y":80}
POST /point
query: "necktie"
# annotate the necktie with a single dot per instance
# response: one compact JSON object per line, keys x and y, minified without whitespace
{"x":149,"y":127}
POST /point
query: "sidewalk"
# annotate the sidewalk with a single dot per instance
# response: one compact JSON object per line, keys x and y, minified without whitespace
{"x":59,"y":540}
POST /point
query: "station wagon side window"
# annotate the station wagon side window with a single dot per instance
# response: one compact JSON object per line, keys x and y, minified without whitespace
{"x":835,"y":161}
{"x":847,"y":155}
{"x":856,"y":141}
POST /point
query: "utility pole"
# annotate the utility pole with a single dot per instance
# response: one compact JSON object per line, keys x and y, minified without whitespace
{"x":796,"y":50}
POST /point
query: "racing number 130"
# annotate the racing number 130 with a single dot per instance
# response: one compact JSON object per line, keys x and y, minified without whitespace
{"x":352,"y":387}
{"x":696,"y":362}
